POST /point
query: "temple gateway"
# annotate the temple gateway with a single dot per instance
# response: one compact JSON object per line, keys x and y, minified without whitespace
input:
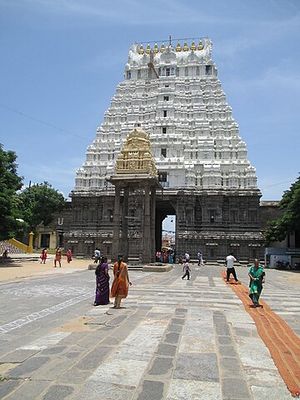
{"x":168,"y":145}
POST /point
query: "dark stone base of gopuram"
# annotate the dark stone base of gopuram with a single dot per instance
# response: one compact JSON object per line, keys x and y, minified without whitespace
{"x":215,"y":222}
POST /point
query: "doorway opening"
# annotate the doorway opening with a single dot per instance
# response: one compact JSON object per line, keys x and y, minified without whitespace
{"x":168,"y":231}
{"x":167,"y":252}
{"x":165,"y":230}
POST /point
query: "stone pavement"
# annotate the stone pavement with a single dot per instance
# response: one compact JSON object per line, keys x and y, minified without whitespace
{"x":175,"y":340}
{"x":24,"y":266}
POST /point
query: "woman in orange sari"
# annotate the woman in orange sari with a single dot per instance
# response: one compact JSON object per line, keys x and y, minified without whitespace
{"x":119,"y":289}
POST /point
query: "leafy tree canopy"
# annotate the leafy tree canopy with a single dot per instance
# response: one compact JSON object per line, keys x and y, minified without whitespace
{"x":10,"y":183}
{"x":290,"y":219}
{"x":39,"y":203}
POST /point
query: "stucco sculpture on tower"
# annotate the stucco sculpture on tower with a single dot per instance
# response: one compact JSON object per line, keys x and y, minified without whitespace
{"x":135,"y":156}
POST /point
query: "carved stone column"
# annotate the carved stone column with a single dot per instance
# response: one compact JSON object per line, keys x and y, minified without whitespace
{"x":124,"y":244}
{"x":146,"y":256}
{"x":116,"y":237}
{"x":153,"y":210}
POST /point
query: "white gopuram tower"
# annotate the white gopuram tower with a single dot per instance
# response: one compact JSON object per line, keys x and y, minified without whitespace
{"x":172,"y":92}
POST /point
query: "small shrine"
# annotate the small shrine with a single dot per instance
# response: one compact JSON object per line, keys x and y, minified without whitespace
{"x":135,"y":170}
{"x":136,"y":157}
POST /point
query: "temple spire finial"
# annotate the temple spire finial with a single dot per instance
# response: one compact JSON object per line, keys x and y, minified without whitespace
{"x":170,"y":40}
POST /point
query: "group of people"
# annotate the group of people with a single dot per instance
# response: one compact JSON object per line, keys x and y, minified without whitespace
{"x":165,"y":256}
{"x":185,"y":261}
{"x":120,"y":285}
{"x":256,"y":274}
{"x":57,"y":256}
{"x":121,"y":282}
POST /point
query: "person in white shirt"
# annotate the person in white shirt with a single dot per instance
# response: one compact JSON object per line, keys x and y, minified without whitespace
{"x":200,"y":258}
{"x":97,"y":255}
{"x":230,"y":267}
{"x":186,"y":270}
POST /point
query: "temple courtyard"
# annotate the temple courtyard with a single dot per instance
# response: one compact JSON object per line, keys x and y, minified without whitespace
{"x":173,"y":339}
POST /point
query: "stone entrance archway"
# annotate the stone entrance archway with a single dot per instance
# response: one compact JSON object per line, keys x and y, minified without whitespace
{"x":135,"y":171}
{"x":147,"y":191}
{"x":164,"y":207}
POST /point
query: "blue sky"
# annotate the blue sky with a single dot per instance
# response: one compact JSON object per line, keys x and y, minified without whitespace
{"x":62,"y":59}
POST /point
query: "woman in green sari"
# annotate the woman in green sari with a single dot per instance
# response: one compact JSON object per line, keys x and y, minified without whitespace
{"x":257,"y":278}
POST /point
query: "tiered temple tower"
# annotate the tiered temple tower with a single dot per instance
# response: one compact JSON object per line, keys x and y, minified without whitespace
{"x":172,"y":92}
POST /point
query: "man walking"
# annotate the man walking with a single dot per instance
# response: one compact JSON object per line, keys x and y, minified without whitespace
{"x":186,"y":269}
{"x":200,"y":258}
{"x":97,"y":255}
{"x":230,"y":259}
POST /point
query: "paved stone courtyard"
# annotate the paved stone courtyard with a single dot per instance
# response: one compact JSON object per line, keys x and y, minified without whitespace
{"x":173,"y":340}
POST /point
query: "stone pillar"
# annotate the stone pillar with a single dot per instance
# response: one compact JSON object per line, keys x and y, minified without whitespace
{"x":152,"y":235}
{"x":116,"y":223}
{"x":30,"y":245}
{"x":124,"y":243}
{"x":146,"y":256}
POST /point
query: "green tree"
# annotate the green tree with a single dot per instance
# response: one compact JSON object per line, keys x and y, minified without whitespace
{"x":289,"y":221}
{"x":10,"y":183}
{"x":39,"y":203}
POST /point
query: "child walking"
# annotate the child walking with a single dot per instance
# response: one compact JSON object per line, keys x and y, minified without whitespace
{"x":186,"y":269}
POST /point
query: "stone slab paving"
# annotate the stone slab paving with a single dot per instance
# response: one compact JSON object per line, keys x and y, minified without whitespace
{"x":175,"y":340}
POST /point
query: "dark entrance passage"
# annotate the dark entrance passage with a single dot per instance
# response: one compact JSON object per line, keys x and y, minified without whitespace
{"x":164,"y":208}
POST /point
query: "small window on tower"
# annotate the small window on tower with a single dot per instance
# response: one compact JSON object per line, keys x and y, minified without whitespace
{"x":167,"y":71}
{"x":212,"y":216}
{"x":165,"y":113}
{"x":164,"y":129}
{"x":208,"y":69}
{"x":166,"y":98}
{"x":128,"y":74}
{"x":163,"y":152}
{"x":162,"y":176}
